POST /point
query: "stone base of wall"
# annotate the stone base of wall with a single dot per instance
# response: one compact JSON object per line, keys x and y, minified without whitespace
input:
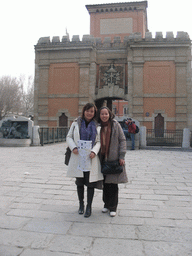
{"x":15,"y":142}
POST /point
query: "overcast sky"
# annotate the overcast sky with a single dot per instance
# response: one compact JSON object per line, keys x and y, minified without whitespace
{"x":24,"y":22}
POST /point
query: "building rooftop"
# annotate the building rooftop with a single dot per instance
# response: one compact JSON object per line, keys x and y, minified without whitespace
{"x":122,"y":6}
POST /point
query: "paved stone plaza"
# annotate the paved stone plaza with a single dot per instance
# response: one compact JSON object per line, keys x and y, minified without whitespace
{"x":38,"y":206}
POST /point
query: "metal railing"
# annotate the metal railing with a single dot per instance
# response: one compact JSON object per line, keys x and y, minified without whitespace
{"x":164,"y":137}
{"x":52,"y":134}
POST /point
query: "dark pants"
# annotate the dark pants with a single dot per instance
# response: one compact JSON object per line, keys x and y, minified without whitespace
{"x":110,"y":196}
{"x":132,"y":136}
{"x":85,"y":181}
{"x":80,"y":182}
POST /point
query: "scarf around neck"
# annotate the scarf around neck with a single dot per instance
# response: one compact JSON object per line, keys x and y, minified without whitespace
{"x":88,"y":132}
{"x":105,"y":138}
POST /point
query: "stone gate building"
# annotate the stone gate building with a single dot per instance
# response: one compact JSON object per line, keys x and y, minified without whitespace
{"x":118,"y":60}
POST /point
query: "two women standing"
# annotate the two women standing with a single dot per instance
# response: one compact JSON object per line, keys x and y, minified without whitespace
{"x":113,"y":147}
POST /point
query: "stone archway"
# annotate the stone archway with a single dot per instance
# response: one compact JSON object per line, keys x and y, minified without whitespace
{"x":108,"y":102}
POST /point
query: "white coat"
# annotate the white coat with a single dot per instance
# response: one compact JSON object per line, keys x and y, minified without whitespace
{"x":72,"y":139}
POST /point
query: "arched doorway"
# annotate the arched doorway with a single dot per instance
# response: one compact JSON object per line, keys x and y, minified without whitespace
{"x":63,"y":120}
{"x":105,"y":102}
{"x":159,"y":125}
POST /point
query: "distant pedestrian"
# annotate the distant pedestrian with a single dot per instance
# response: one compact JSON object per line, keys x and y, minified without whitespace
{"x":113,"y":147}
{"x":85,"y":128}
{"x":131,"y":131}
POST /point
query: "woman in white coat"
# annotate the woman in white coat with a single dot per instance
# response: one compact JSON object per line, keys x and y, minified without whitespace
{"x":85,"y":128}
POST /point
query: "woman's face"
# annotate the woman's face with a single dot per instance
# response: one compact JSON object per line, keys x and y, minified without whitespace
{"x":104,"y":115}
{"x":89,"y":114}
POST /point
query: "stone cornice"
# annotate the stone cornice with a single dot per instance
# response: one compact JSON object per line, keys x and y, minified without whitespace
{"x":117,"y":7}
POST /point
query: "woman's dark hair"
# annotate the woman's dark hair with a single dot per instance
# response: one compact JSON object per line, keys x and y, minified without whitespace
{"x":87,"y":107}
{"x":111,"y":115}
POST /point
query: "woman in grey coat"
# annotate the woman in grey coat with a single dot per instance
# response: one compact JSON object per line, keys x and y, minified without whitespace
{"x":113,"y":147}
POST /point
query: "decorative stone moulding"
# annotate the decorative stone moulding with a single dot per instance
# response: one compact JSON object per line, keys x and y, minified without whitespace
{"x":116,"y":9}
{"x":65,"y":39}
{"x":44,"y":40}
{"x":117,"y":39}
{"x":98,"y":40}
{"x":181,"y":36}
{"x":159,"y":36}
{"x":126,"y":39}
{"x":55,"y":39}
{"x":107,"y":40}
{"x":88,"y":39}
{"x":75,"y":38}
{"x":148,"y":35}
{"x":169,"y":36}
{"x":137,"y":36}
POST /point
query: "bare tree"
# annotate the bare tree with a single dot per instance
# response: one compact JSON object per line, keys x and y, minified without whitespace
{"x":27,"y":90}
{"x":10,"y":96}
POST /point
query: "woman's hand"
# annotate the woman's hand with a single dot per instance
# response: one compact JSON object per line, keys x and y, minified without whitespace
{"x":121,"y":162}
{"x":75,"y":151}
{"x":92,"y":155}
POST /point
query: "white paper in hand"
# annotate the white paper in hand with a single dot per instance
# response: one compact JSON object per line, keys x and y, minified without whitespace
{"x":84,"y":149}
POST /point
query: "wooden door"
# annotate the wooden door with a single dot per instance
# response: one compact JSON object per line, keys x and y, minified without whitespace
{"x":63,"y":120}
{"x":159,"y":126}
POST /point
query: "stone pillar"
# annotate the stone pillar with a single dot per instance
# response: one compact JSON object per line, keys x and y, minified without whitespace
{"x":83,"y":85}
{"x":181,"y":95}
{"x":186,"y":138}
{"x":143,"y":140}
{"x":137,"y":96}
{"x":41,"y":92}
{"x":36,"y":138}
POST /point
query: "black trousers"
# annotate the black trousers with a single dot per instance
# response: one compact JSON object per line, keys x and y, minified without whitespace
{"x":85,"y":181}
{"x":110,"y":196}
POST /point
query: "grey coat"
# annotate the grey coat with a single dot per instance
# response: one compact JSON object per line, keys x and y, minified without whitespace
{"x":117,"y":150}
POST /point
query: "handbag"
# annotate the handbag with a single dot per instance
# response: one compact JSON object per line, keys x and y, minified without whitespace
{"x":67,"y":155}
{"x":111,"y":167}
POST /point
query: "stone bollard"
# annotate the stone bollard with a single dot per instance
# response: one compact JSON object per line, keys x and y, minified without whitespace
{"x":36,"y":138}
{"x":143,"y":141}
{"x":186,"y":138}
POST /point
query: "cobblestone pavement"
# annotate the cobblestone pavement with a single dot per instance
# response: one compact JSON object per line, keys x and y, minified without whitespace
{"x":38,"y":206}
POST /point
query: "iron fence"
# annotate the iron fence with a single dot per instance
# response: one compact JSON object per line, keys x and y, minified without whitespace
{"x":172,"y":138}
{"x":52,"y":134}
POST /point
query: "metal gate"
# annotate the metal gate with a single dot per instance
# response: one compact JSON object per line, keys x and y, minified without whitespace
{"x":171,"y":138}
{"x":52,"y":134}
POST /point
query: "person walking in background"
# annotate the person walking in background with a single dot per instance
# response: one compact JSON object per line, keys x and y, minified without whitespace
{"x":131,"y":131}
{"x":113,"y":147}
{"x":84,"y":129}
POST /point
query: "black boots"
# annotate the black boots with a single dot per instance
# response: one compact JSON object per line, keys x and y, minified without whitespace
{"x":81,"y":209}
{"x":80,"y":192}
{"x":88,"y":211}
{"x":90,"y":194}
